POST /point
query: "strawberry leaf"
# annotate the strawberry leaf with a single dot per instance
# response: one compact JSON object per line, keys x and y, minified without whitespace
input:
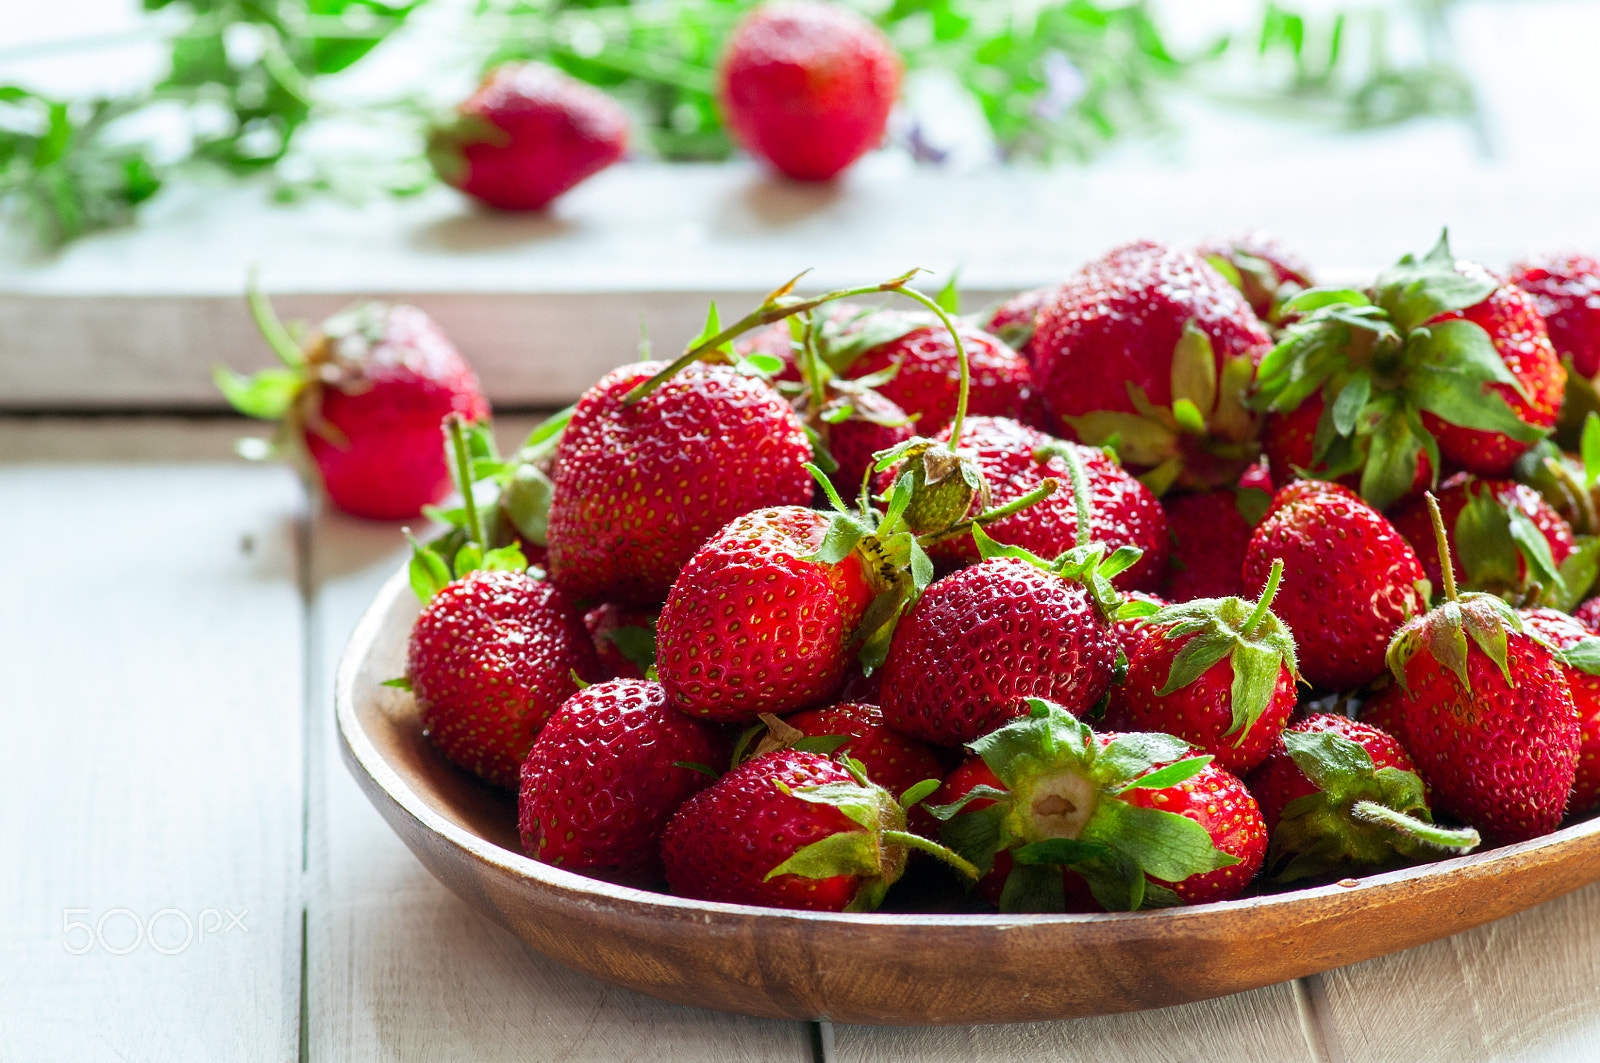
{"x":916,"y":793}
{"x":428,"y":572}
{"x":266,"y":395}
{"x":1033,"y":889}
{"x":1194,"y":377}
{"x":1171,"y":775}
{"x":1165,"y":845}
{"x":400,"y":683}
{"x":1134,"y":755}
{"x":1467,"y":402}
{"x":1584,"y":655}
{"x":1590,"y":444}
{"x":1058,"y":851}
{"x":851,"y":852}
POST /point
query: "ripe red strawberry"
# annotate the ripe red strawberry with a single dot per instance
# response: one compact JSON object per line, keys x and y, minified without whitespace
{"x":1438,"y":360}
{"x":363,"y":398}
{"x":1218,"y":673}
{"x":1015,"y":320}
{"x":1505,"y":538}
{"x":1112,"y":343}
{"x":1383,"y":710}
{"x":1268,"y":273}
{"x":1338,"y":795}
{"x":807,"y":86}
{"x":982,"y":641}
{"x":624,"y":639}
{"x":1129,"y":624}
{"x":1566,"y":290}
{"x":1349,"y":581}
{"x":638,"y":488}
{"x":753,"y":625}
{"x":1588,"y":614}
{"x":927,"y":382}
{"x":1015,"y":459}
{"x":790,"y":829}
{"x":1488,"y":713}
{"x":1210,"y":532}
{"x":1564,"y":633}
{"x":492,"y":656}
{"x":1133,"y":820}
{"x":604,"y":776}
{"x":527,"y":134}
{"x":857,"y":424}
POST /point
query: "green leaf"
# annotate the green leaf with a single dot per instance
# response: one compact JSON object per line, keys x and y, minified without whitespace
{"x":1171,"y":775}
{"x":1486,"y":625}
{"x":428,"y":572}
{"x":1469,"y":403}
{"x":1256,"y":670}
{"x":1351,"y":401}
{"x":637,"y":644}
{"x":468,"y":558}
{"x":840,"y":540}
{"x":1532,"y":545}
{"x":1058,"y":851}
{"x":1194,"y":378}
{"x":1317,"y":298}
{"x":508,"y":558}
{"x":1188,"y":416}
{"x":977,"y":835}
{"x":549,"y":428}
{"x":1198,"y":655}
{"x":851,"y":852}
{"x":1166,"y":845}
{"x":694,"y":765}
{"x":762,"y":365}
{"x":1335,"y":764}
{"x":1584,"y":655}
{"x":1578,"y":574}
{"x":1391,"y":466}
{"x":1134,"y":755}
{"x":1463,"y":347}
{"x":266,"y":395}
{"x":915,"y":794}
{"x":401,"y":683}
{"x":1591,"y":449}
{"x":860,"y":803}
{"x":949,"y":297}
{"x":1033,"y":888}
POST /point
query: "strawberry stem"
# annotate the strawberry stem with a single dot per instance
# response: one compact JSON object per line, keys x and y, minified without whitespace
{"x":777,"y":306}
{"x":810,"y":363}
{"x":1459,"y":841}
{"x":961,"y":360}
{"x":1448,"y":569}
{"x":917,"y":841}
{"x":1038,"y":494}
{"x":458,"y":443}
{"x":1080,"y":489}
{"x":270,"y":325}
{"x":1265,"y":601}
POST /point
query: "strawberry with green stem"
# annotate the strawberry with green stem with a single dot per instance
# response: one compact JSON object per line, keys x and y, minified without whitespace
{"x":1487,"y":711}
{"x":358,"y":404}
{"x":982,"y":641}
{"x":1218,"y":672}
{"x":1439,"y":361}
{"x":792,"y":829}
{"x":494,"y":652}
{"x":1341,"y":796}
{"x":1047,"y":809}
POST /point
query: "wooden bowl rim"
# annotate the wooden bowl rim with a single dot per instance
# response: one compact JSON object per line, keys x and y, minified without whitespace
{"x":361,"y":750}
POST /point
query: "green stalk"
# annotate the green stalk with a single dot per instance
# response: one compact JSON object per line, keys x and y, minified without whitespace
{"x":270,"y":325}
{"x":917,"y":841}
{"x":1443,"y":540}
{"x":458,"y":443}
{"x":961,"y":358}
{"x":1459,"y":841}
{"x":1080,"y":490}
{"x":1265,"y":601}
{"x":1038,"y":494}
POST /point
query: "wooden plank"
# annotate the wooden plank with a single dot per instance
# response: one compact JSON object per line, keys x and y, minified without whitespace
{"x":1526,"y":987}
{"x":1264,"y":1026}
{"x":150,"y":635}
{"x":398,"y":967}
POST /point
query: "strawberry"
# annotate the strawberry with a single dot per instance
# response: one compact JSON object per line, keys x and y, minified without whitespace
{"x":1153,"y":347}
{"x":1048,"y":810}
{"x":491,"y":657}
{"x":791,"y":829}
{"x":1382,"y":710}
{"x":927,"y":374}
{"x":856,"y":424}
{"x":1349,"y":580}
{"x":1588,"y":614}
{"x":527,"y":134}
{"x":362,"y":399}
{"x":1506,"y":538}
{"x":638,"y":488}
{"x":1488,"y":713}
{"x":1566,"y":291}
{"x":981,"y":642}
{"x":1257,"y":263}
{"x":1564,"y":633}
{"x":1013,"y":460}
{"x":753,"y":624}
{"x":1218,"y":673}
{"x":624,"y":639}
{"x":807,"y":86}
{"x":1015,"y":320}
{"x":605,"y":775}
{"x":1131,"y":628}
{"x":1338,"y":796}
{"x":1209,"y":534}
{"x":1438,"y":361}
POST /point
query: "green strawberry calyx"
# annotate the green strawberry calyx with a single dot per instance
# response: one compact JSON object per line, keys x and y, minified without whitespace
{"x":1248,"y":635}
{"x":1443,"y":631}
{"x":944,"y":483}
{"x":1503,"y":551}
{"x":1379,"y":364}
{"x":1360,"y":816}
{"x":877,"y":852}
{"x":1257,"y":280}
{"x":1205,"y":439}
{"x":1061,"y":807}
{"x":454,"y":554}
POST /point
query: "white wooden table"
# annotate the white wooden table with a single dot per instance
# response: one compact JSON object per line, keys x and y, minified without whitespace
{"x":189,"y":874}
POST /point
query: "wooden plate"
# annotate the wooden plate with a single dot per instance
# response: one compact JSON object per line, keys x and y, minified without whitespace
{"x":894,"y":968}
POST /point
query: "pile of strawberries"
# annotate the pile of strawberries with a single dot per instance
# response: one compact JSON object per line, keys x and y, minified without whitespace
{"x":1182,"y":575}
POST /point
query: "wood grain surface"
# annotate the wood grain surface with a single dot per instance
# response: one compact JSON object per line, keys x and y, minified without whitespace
{"x":150,"y":774}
